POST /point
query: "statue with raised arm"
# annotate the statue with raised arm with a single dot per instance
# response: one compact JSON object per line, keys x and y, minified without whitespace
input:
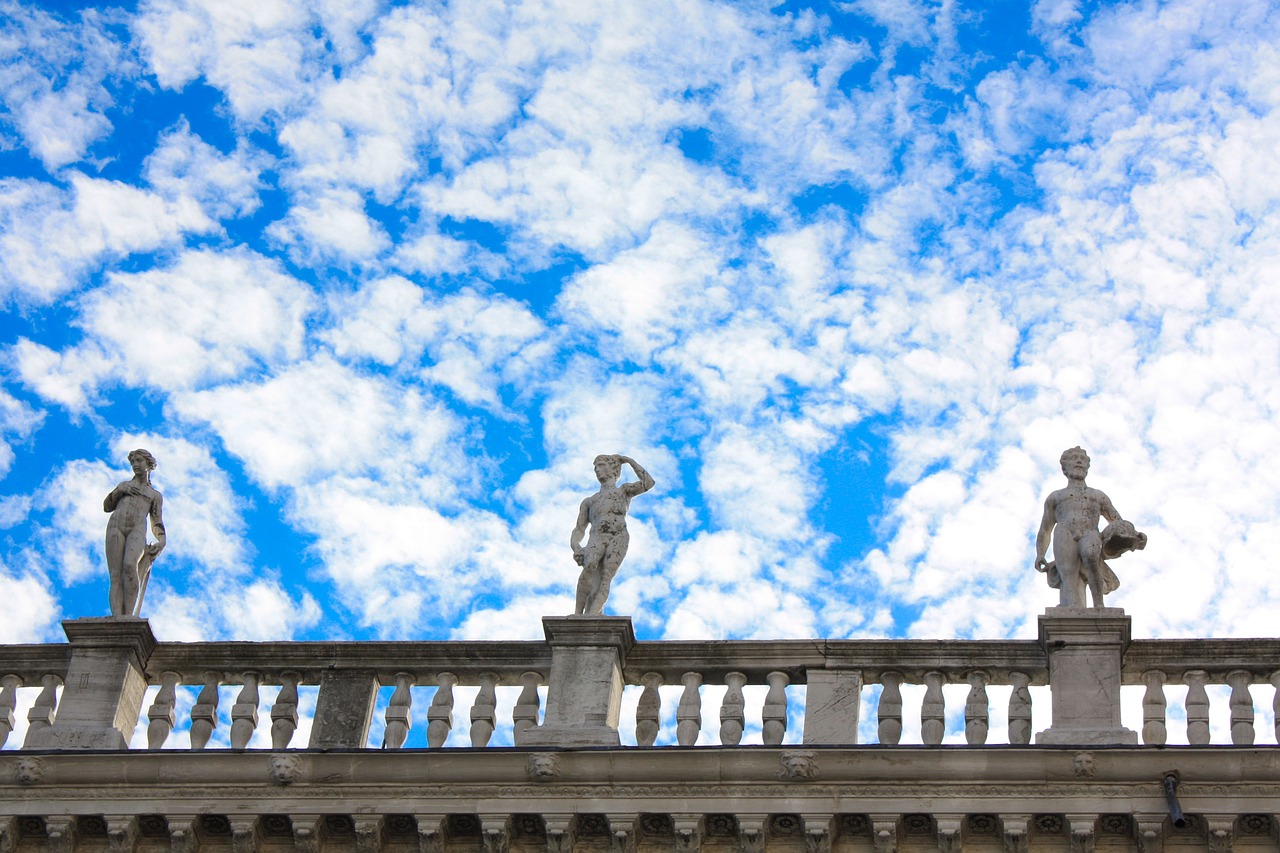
{"x":129,"y":557}
{"x":606,"y":513}
{"x":1079,"y":550}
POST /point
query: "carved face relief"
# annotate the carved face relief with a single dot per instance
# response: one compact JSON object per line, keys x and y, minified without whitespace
{"x":543,"y":766}
{"x":285,"y":769}
{"x":798,"y":764}
{"x":1083,"y":765}
{"x":29,"y":771}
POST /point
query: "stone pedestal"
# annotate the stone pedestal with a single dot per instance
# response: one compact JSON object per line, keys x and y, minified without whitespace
{"x":584,"y":693}
{"x":102,"y":695}
{"x":1085,"y":647}
{"x":831,"y":706}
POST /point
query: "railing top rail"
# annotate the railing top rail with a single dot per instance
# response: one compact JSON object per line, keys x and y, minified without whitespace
{"x":311,"y":660}
{"x":756,"y":658}
{"x":670,"y":658}
{"x":1216,"y":656}
{"x":31,"y":662}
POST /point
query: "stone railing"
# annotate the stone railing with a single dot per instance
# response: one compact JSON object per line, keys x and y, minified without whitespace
{"x":91,"y":691}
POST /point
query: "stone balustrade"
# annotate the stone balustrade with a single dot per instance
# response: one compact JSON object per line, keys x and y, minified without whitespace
{"x":835,"y":679}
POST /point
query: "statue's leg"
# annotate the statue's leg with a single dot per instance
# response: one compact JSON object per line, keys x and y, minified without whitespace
{"x":135,"y":544}
{"x":589,"y":580}
{"x":115,"y":570}
{"x":1091,"y":558}
{"x":614,"y":550}
{"x":1066,"y":554}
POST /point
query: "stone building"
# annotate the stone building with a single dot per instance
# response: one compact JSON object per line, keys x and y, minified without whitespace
{"x":1086,"y":782}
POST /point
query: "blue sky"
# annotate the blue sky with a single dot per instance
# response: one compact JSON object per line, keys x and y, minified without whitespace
{"x":375,"y":281}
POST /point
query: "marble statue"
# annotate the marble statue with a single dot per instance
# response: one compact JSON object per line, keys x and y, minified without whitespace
{"x":129,"y":557}
{"x":1079,"y":550}
{"x":606,"y":512}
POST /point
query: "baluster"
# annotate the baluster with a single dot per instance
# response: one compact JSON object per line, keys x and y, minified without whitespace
{"x":440,"y":712}
{"x":525,"y":715}
{"x":775,"y":708}
{"x":160,"y":714}
{"x":284,"y":712}
{"x":244,"y":713}
{"x":42,"y":713}
{"x":1241,"y":707}
{"x":649,"y":709}
{"x":976,"y":709}
{"x":1275,"y":703}
{"x":1020,"y":709}
{"x":689,"y":711}
{"x":1154,"y":730}
{"x":484,"y":710}
{"x":398,"y":720}
{"x":1197,"y":706}
{"x":732,"y":710}
{"x":204,"y":714}
{"x":890,"y":710}
{"x":8,"y":701}
{"x":933,"y":712}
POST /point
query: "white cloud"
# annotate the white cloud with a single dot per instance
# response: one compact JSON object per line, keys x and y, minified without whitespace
{"x":209,"y":316}
{"x":473,"y":342}
{"x":319,"y":418}
{"x":32,"y":608}
{"x":752,"y":610}
{"x":648,"y":295}
{"x":332,"y":224}
{"x":74,"y":546}
{"x":18,"y":422}
{"x":52,"y":80}
{"x":261,"y":53}
{"x":51,"y":238}
{"x":225,"y":185}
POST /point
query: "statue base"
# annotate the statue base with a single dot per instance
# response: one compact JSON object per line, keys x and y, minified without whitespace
{"x":1057,"y":736}
{"x":584,"y":692}
{"x":106,"y":680}
{"x":1085,"y":647}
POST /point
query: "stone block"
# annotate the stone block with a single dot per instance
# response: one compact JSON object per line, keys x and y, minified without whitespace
{"x":832,"y":706}
{"x":344,"y":710}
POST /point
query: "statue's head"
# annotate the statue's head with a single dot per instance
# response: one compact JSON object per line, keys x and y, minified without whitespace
{"x":141,"y":460}
{"x":1074,"y":460}
{"x":608,"y":467}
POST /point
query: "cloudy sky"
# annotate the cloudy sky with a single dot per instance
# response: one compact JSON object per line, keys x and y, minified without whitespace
{"x":375,"y":281}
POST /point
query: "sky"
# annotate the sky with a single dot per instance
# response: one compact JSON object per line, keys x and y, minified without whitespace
{"x":375,"y":282}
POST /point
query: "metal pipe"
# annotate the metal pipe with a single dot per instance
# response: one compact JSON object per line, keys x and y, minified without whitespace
{"x":1171,"y":798}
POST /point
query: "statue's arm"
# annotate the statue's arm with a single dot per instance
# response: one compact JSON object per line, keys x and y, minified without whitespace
{"x":580,"y":529}
{"x":157,"y":525}
{"x":1108,"y":509}
{"x":644,"y":482}
{"x":1042,"y":535}
{"x":112,"y":498}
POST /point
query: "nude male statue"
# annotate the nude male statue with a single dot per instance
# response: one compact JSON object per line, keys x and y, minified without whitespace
{"x":1071,"y":515}
{"x":129,"y":557}
{"x":606,"y":512}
